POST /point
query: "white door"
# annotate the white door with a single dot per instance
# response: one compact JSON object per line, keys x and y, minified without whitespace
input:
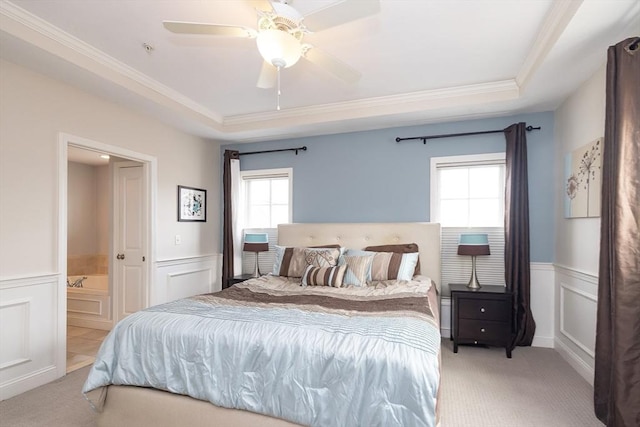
{"x":129,"y":239}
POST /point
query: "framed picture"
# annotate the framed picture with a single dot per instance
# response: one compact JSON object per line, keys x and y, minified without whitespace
{"x":192,"y":204}
{"x":583,"y":181}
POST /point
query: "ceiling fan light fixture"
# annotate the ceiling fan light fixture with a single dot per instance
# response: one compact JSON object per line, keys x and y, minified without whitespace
{"x":279,"y":47}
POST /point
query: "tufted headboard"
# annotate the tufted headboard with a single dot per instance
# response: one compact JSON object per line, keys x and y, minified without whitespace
{"x":360,"y":235}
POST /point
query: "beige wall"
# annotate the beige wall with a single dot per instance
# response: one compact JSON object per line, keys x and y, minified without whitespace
{"x":84,"y":226}
{"x":579,"y":120}
{"x":33,"y":110}
{"x":103,"y":206}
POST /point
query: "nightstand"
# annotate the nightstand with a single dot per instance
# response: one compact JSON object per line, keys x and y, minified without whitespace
{"x":481,"y":316}
{"x":237,"y":279}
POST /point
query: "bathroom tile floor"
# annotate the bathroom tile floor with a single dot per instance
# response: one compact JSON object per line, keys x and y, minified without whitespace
{"x":82,"y":346}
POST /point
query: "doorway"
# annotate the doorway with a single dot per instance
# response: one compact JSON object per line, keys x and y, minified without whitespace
{"x":95,"y":312}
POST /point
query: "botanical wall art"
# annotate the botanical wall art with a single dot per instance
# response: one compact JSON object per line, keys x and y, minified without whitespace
{"x":192,"y":204}
{"x":583,"y":181}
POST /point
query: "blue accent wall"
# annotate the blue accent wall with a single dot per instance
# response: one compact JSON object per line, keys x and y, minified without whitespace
{"x":368,"y":177}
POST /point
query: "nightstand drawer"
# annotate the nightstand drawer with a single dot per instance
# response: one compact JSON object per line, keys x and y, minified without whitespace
{"x":481,"y":316}
{"x":484,"y":309}
{"x":481,"y":331}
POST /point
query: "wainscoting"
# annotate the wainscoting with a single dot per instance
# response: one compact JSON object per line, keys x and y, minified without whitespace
{"x":33,"y":347}
{"x":184,"y":277}
{"x":30,"y":306}
{"x":28,"y":354}
{"x":576,"y":307}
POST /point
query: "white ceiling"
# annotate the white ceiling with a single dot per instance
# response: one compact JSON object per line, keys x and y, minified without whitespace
{"x":421,"y":61}
{"x":87,"y":157}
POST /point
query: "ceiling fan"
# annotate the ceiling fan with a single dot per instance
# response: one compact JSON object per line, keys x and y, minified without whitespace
{"x":280,"y":36}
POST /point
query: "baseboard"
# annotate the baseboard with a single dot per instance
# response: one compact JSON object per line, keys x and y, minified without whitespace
{"x":105,"y":325}
{"x":27,"y":382}
{"x":575,"y":361}
{"x":546,"y":342}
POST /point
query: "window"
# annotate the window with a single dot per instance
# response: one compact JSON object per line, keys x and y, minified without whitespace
{"x":467,"y":195}
{"x":266,"y":197}
{"x":468,"y":191}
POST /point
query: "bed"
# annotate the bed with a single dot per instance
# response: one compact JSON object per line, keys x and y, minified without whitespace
{"x":292,"y":355}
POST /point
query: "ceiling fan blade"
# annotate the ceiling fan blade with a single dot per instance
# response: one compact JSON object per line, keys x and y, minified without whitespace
{"x":209,"y":29}
{"x":340,"y":13}
{"x":332,"y":65}
{"x":268,"y":76}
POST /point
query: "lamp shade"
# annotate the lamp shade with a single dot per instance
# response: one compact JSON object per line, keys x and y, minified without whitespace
{"x":256,"y":242}
{"x":279,"y":48}
{"x":474,"y":244}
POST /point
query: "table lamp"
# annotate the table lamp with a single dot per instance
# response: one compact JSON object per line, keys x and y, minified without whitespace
{"x":473,"y":244}
{"x":256,"y":242}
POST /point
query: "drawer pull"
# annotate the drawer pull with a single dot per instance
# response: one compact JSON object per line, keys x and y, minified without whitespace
{"x":481,"y":329}
{"x":481,"y":309}
{"x":475,"y":342}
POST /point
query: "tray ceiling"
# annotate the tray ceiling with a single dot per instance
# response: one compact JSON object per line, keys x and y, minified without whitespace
{"x":421,"y":61}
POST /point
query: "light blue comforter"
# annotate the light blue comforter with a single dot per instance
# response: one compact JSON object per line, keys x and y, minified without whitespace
{"x":304,"y":363}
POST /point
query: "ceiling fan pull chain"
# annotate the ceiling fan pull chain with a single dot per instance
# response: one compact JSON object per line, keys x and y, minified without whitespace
{"x":278,"y":89}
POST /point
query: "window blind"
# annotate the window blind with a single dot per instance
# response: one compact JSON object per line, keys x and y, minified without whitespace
{"x":457,"y":268}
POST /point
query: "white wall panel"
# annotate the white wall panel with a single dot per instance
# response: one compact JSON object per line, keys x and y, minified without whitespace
{"x":542,"y":303}
{"x":180,"y":278}
{"x":575,"y":313}
{"x":28,"y":346}
{"x":15,"y":348}
{"x":578,"y":317}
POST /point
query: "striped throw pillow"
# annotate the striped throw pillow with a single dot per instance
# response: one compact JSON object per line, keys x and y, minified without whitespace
{"x":392,"y":266}
{"x":358,"y":268}
{"x":388,"y":265}
{"x":324,"y":276}
{"x":292,"y":261}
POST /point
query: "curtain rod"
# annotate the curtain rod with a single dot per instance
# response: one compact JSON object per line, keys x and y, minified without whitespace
{"x":304,"y":148}
{"x":449,"y":135}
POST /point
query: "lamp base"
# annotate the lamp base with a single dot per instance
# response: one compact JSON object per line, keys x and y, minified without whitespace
{"x":473,"y":282}
{"x":256,"y":268}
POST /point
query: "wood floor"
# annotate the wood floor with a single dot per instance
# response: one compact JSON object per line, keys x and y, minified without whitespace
{"x":82,"y":346}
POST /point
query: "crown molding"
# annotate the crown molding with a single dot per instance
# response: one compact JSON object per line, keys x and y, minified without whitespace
{"x":43,"y":35}
{"x":556,"y":21}
{"x":384,"y":105}
{"x":34,"y":30}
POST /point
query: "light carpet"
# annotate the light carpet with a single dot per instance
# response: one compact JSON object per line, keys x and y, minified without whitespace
{"x":480,"y":387}
{"x":535,"y":388}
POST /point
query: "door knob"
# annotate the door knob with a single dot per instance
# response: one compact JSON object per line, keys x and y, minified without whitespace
{"x":120,"y":256}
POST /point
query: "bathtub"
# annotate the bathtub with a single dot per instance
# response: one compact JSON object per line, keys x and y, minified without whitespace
{"x":90,"y":306}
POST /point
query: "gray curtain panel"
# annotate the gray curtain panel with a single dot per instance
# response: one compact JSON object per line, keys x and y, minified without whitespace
{"x":516,"y":234}
{"x":617,"y":356}
{"x":227,"y":227}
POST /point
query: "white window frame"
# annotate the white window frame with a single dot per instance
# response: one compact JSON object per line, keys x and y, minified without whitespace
{"x":267,"y":174}
{"x":451,"y":161}
{"x":456,"y":268}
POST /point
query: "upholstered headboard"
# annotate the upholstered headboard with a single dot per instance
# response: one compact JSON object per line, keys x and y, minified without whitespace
{"x":360,"y":235}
